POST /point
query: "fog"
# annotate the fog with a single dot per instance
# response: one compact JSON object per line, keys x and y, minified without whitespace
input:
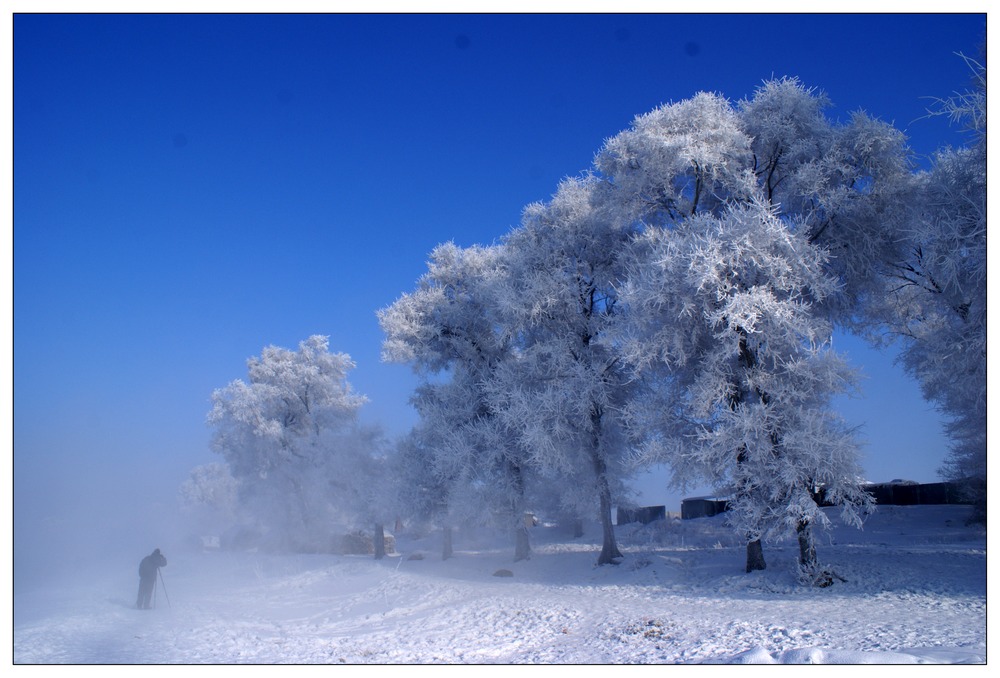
{"x":679,"y":596}
{"x":86,"y":515}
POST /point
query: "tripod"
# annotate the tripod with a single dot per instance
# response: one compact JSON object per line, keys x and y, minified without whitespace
{"x":160,"y":574}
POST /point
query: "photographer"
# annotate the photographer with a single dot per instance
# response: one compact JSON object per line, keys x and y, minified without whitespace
{"x":149,"y":567}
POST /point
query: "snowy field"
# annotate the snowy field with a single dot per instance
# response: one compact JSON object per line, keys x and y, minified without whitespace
{"x":915,"y":593}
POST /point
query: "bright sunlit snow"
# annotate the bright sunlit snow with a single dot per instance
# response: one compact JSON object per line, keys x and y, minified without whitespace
{"x":915,"y":592}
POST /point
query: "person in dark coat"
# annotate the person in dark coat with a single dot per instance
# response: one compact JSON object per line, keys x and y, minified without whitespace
{"x":149,"y":567}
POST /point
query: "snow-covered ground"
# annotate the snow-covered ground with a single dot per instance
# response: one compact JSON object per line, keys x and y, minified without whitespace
{"x":915,"y":592}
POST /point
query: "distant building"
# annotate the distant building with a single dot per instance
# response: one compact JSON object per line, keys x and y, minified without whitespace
{"x":894,"y":493}
{"x":703,"y":507}
{"x":640,"y":514}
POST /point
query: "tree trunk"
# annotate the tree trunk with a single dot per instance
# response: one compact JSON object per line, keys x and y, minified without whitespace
{"x":379,"y":541}
{"x":577,"y":528}
{"x":522,"y":542}
{"x":298,"y":538}
{"x":446,"y":547}
{"x":748,"y":359}
{"x":609,"y":549}
{"x":755,"y":556}
{"x":807,"y":547}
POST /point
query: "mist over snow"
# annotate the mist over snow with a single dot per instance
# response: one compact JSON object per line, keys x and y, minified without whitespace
{"x":914,"y":591}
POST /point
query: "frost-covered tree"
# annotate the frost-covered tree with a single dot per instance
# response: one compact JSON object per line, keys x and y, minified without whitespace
{"x":816,"y":211}
{"x":475,"y":465}
{"x":745,"y":179}
{"x":840,"y":185}
{"x":210,"y":485}
{"x":210,"y":494}
{"x":845,"y":187}
{"x":361,"y":482}
{"x":909,"y":250}
{"x":566,"y":392}
{"x":421,"y":493}
{"x":448,"y":331}
{"x":287,"y":434}
{"x":935,"y":302}
{"x":678,"y":160}
{"x":724,"y":304}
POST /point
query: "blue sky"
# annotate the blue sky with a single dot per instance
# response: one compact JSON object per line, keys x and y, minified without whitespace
{"x":189,"y":189}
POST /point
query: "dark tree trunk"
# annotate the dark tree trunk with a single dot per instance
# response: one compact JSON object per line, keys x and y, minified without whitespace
{"x":446,"y":547}
{"x":755,"y":556}
{"x":748,"y":359}
{"x":577,"y":528}
{"x":522,"y":542}
{"x":807,"y":547}
{"x":609,"y":548}
{"x":305,"y":516}
{"x":379,"y":541}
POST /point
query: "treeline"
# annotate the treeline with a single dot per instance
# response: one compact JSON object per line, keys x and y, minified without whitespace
{"x":672,"y":305}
